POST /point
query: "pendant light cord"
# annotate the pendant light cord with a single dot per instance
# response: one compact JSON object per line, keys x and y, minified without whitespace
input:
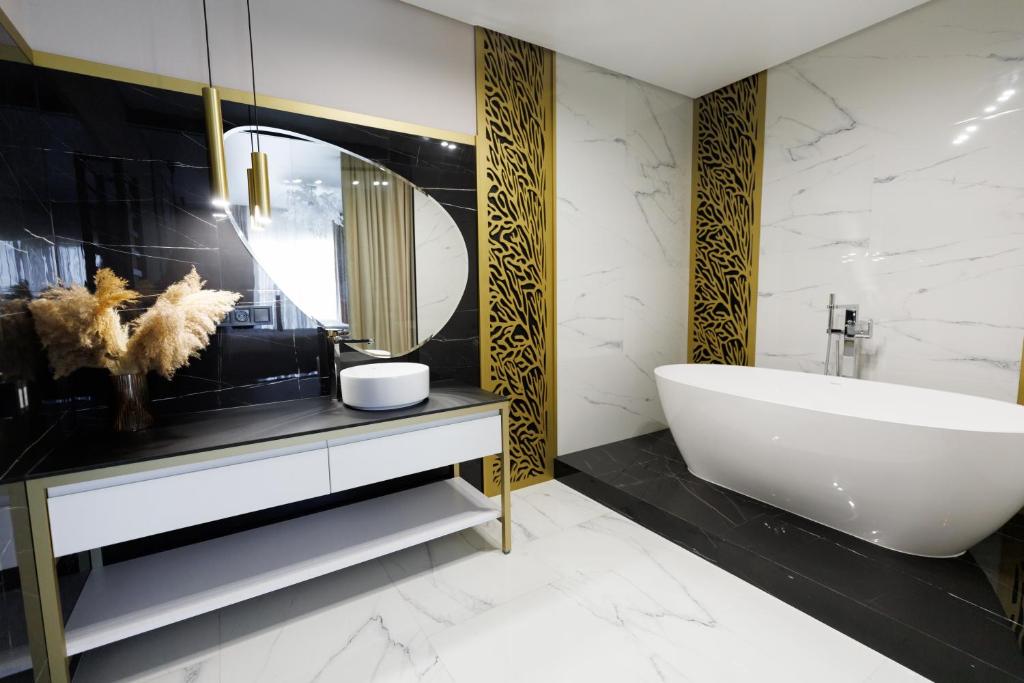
{"x":206,"y":26}
{"x":252,"y":63}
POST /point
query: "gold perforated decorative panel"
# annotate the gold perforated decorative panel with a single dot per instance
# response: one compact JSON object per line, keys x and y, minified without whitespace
{"x":515,"y":185}
{"x":727,"y":162}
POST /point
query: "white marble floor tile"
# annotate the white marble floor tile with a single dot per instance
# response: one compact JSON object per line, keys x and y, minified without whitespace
{"x":349,"y":626}
{"x":591,"y":596}
{"x":454,"y":578}
{"x":542,"y":510}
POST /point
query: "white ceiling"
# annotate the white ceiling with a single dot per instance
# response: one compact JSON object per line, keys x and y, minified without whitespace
{"x":688,"y":46}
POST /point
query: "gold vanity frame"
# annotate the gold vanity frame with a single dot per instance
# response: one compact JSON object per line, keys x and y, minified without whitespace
{"x":37,"y":565}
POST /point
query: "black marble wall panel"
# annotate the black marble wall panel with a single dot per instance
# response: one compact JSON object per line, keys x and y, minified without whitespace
{"x":98,"y":173}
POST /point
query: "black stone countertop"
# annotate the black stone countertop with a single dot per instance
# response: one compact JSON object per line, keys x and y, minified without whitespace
{"x":84,"y":442}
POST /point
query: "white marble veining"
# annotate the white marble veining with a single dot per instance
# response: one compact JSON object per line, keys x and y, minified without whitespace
{"x":893,"y":177}
{"x":623,"y":182}
{"x":442,"y":265}
{"x":586,"y":595}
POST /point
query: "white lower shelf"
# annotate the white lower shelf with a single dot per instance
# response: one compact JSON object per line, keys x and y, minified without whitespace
{"x":140,"y":595}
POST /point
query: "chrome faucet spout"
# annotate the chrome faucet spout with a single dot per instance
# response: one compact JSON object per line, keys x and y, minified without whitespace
{"x":828,"y":329}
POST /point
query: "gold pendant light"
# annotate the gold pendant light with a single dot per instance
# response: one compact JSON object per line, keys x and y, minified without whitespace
{"x":219,"y":196}
{"x":259,"y":174}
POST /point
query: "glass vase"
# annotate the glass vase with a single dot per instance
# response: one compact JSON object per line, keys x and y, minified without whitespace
{"x":131,"y":403}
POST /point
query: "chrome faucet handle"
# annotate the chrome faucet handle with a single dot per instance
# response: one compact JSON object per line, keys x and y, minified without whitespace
{"x":341,"y":337}
{"x":860,"y":329}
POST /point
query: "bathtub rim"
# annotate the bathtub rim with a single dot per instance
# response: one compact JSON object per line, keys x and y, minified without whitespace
{"x":1017,"y":429}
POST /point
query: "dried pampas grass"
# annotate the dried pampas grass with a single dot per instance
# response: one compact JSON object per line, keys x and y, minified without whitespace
{"x":81,"y":329}
{"x":178,"y":326}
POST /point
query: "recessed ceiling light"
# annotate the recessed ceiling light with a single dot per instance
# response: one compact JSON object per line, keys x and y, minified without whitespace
{"x":376,"y":182}
{"x":451,"y":145}
{"x":384,"y":182}
{"x":297,"y":180}
{"x":444,"y":143}
{"x":318,"y":182}
{"x":355,"y":182}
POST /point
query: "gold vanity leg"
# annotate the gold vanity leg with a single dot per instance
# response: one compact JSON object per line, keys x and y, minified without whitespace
{"x":46,"y":623}
{"x":506,"y":486}
{"x":457,"y":470}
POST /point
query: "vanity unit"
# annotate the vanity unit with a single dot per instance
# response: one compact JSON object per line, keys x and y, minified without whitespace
{"x":91,"y":492}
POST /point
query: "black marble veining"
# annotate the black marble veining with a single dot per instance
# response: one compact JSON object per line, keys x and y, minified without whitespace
{"x":950,"y":620}
{"x":83,"y":441}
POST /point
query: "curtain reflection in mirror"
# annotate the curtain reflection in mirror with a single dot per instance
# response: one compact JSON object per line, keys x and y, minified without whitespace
{"x":380,"y":257}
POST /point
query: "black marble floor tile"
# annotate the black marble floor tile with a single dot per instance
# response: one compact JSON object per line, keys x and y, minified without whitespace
{"x":952,"y":619}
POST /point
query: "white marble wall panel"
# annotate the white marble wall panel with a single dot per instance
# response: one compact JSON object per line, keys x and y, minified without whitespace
{"x":442,"y":265}
{"x":623,"y":159}
{"x":893,"y":177}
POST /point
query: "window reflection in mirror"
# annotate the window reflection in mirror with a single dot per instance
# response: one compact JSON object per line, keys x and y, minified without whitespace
{"x":351,"y":244}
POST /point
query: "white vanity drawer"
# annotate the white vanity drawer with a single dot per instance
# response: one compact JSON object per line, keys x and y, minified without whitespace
{"x":365,"y":462}
{"x":102,"y":516}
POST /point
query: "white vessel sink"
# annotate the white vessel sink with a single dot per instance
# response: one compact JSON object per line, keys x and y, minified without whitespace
{"x":384,"y":386}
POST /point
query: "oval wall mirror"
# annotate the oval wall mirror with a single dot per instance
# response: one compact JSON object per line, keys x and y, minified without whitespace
{"x":354,"y":246}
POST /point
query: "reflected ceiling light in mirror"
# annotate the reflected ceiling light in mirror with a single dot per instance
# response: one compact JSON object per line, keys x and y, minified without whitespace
{"x":1005,"y":95}
{"x":384,"y":182}
{"x":318,"y":182}
{"x":214,"y":131}
{"x":990,"y":108}
{"x":960,"y":139}
{"x":355,"y":182}
{"x":971,"y":129}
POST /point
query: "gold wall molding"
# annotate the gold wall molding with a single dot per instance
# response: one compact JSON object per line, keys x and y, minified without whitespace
{"x":728,"y":138}
{"x":20,"y":51}
{"x":515,"y":210}
{"x":85,"y":67}
{"x":1020,"y":384}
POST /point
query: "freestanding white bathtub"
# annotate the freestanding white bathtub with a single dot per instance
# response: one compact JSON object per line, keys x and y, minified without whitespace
{"x":920,"y":471}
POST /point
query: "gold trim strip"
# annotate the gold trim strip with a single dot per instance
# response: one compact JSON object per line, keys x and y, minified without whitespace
{"x":691,"y":317}
{"x":483,"y":234}
{"x":85,"y":67}
{"x":1020,"y":385}
{"x":30,"y":594}
{"x":24,"y":52}
{"x":755,"y":227}
{"x":47,"y":583}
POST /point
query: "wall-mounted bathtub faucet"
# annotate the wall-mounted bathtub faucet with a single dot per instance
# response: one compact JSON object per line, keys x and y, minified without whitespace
{"x":844,"y":338}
